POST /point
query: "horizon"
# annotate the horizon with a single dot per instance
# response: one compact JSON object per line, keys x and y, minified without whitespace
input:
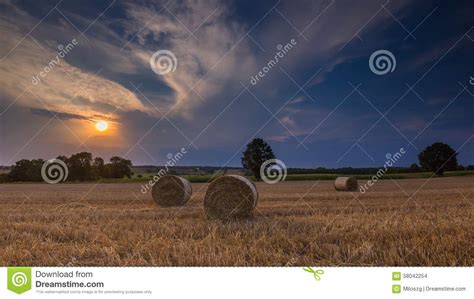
{"x":86,"y":77}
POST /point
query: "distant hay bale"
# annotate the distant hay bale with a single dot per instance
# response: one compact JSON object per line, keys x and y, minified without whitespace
{"x":171,"y":191}
{"x":344,"y":183}
{"x":230,"y":197}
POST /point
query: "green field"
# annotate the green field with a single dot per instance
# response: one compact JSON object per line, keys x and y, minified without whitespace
{"x":203,"y":178}
{"x":141,"y":174}
{"x":395,"y":176}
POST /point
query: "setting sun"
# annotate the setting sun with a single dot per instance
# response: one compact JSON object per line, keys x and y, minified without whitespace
{"x":101,"y":125}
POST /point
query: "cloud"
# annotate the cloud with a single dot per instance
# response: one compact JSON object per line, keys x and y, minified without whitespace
{"x":297,"y":100}
{"x":60,"y":115}
{"x":199,"y":33}
{"x":61,"y":82}
{"x":288,"y":121}
{"x":328,"y":31}
{"x":211,"y":51}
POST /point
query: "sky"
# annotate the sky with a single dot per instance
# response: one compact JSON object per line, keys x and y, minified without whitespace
{"x":173,"y":75}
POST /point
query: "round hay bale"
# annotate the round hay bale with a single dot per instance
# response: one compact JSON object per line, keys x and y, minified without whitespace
{"x":171,"y":191}
{"x":344,"y":183}
{"x":230,"y":197}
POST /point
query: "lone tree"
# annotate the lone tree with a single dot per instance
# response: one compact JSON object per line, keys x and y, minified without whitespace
{"x":257,"y":152}
{"x":438,"y":158}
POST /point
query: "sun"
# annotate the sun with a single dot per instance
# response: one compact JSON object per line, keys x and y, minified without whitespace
{"x":101,"y":125}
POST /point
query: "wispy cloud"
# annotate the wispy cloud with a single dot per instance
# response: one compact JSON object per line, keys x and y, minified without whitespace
{"x":62,"y":83}
{"x":211,"y":50}
{"x":199,"y":33}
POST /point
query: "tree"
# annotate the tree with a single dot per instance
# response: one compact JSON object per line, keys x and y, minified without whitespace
{"x":34,"y":173}
{"x":26,"y":171}
{"x":80,"y":167}
{"x":99,"y":168}
{"x":438,"y":158}
{"x":19,"y":171}
{"x":120,"y":167}
{"x":257,"y":152}
{"x":62,"y":158}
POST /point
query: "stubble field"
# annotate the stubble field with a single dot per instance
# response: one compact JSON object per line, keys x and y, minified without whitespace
{"x":416,"y":222}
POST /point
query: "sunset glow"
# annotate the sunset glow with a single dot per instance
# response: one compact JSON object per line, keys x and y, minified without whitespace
{"x":101,"y":126}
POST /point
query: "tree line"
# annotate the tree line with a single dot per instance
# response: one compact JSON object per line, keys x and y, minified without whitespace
{"x":437,"y":158}
{"x":81,"y":167}
{"x":413,"y":168}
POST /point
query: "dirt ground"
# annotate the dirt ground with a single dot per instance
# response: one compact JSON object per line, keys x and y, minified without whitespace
{"x":416,"y":222}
